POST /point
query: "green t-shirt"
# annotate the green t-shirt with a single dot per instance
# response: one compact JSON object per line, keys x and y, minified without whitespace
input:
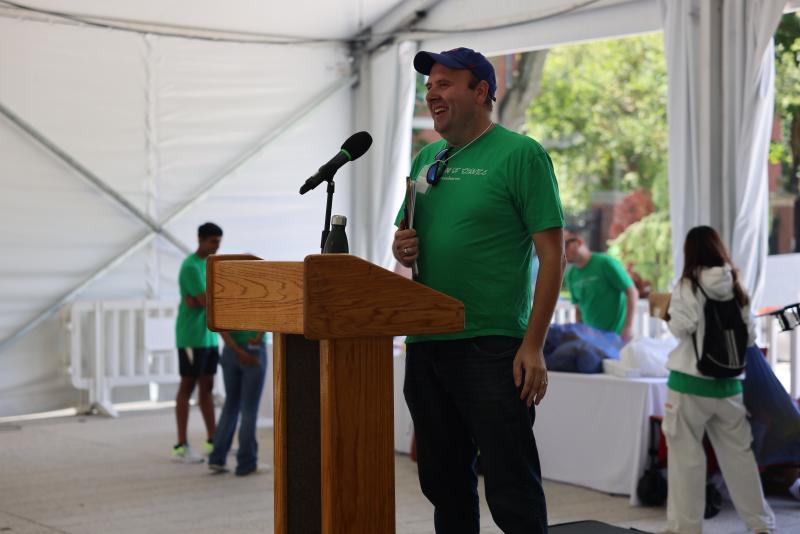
{"x":599,"y":291}
{"x":475,"y":228}
{"x":243,"y":337}
{"x":190,"y":327}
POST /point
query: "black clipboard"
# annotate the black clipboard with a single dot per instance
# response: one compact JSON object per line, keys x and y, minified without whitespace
{"x":408,"y":216}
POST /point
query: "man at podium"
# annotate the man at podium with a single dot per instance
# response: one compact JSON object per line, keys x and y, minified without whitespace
{"x":484,"y":196}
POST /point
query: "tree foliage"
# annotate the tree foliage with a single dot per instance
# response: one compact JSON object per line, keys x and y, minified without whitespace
{"x":634,"y":207}
{"x":787,"y":100}
{"x":646,"y":245}
{"x":601,"y":115}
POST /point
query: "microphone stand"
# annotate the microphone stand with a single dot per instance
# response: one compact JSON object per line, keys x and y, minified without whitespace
{"x":327,"y":229}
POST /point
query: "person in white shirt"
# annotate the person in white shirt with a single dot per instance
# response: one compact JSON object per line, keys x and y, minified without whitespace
{"x":697,"y":403}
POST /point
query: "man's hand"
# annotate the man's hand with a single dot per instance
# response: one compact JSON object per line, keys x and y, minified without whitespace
{"x":247,"y":359}
{"x":666,"y":315}
{"x":529,"y":363}
{"x":405,"y":246}
{"x":632,"y":297}
{"x":197,"y":301}
{"x":626,"y":334}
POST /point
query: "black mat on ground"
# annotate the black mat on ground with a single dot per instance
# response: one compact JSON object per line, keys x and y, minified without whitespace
{"x":589,"y":527}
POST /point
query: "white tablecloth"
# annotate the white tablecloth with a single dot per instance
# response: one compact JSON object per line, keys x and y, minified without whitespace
{"x":593,"y":430}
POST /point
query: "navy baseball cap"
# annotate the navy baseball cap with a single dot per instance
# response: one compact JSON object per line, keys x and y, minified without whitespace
{"x":459,"y":58}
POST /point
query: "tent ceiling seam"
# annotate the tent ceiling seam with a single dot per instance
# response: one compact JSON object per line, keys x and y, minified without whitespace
{"x":90,"y":177}
{"x":512,"y":24}
{"x":292,"y":119}
{"x":21,"y":11}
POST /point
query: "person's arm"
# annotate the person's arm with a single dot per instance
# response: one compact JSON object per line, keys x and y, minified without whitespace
{"x":632,"y":296}
{"x":666,"y":316}
{"x":405,"y":247}
{"x":192,"y":287}
{"x":241,"y":354}
{"x":258,"y":339}
{"x":529,"y":364}
{"x":684,"y":310}
{"x":197,"y":301}
{"x":578,"y":317}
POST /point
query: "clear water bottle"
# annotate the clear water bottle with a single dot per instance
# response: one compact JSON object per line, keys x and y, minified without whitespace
{"x":337,"y":238}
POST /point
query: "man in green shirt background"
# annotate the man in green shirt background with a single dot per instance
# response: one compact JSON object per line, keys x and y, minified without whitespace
{"x":600,"y":287}
{"x":198,"y":352}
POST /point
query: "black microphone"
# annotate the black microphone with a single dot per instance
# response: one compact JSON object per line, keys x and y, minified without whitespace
{"x":352,"y":149}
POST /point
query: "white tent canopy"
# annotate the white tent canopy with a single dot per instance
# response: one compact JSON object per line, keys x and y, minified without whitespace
{"x":125,"y":125}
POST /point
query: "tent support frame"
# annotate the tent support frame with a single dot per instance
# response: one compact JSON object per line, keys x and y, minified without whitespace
{"x":90,"y":177}
{"x":273,"y":133}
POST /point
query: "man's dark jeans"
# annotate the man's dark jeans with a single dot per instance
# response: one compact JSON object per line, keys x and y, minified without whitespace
{"x":462,"y":399}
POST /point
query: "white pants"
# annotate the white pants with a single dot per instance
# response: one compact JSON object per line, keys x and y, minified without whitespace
{"x":725,"y":421}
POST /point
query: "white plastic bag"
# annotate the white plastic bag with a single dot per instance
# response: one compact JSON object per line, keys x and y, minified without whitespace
{"x":649,"y":355}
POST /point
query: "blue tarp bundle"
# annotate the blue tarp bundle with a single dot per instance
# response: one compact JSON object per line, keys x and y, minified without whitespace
{"x":774,"y":415}
{"x":578,"y":348}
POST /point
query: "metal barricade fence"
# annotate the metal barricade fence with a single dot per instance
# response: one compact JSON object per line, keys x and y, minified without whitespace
{"x":121,"y":343}
{"x":129,"y":343}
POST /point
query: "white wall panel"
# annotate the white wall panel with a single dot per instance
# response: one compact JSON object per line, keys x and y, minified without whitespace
{"x":156,"y":118}
{"x":84,"y":89}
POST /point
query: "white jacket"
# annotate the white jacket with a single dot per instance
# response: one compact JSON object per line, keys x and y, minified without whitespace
{"x":686,"y":316}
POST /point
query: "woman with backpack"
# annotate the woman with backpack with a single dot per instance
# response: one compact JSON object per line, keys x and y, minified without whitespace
{"x":709,"y":313}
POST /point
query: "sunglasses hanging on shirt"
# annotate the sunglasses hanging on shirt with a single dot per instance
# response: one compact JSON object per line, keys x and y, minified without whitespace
{"x":439,"y":165}
{"x":437,"y":168}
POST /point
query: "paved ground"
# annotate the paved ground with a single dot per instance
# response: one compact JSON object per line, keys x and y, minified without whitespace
{"x":95,"y":475}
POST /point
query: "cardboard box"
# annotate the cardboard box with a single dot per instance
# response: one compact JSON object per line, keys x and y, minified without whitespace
{"x":659,"y":304}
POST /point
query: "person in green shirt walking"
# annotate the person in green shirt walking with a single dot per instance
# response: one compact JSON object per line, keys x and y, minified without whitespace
{"x":485,"y":196}
{"x":698,"y":404}
{"x":600,"y":287}
{"x":198,"y":353}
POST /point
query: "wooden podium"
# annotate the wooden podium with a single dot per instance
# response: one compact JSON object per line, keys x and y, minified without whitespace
{"x":333,"y":317}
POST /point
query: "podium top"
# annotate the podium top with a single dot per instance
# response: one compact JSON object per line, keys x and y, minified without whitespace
{"x":325,"y":296}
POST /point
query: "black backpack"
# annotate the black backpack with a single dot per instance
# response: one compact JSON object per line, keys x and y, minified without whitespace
{"x":725,"y":340}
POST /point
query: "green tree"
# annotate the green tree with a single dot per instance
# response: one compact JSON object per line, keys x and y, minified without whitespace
{"x":601,"y":115}
{"x":647,"y":246}
{"x":787,"y":100}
